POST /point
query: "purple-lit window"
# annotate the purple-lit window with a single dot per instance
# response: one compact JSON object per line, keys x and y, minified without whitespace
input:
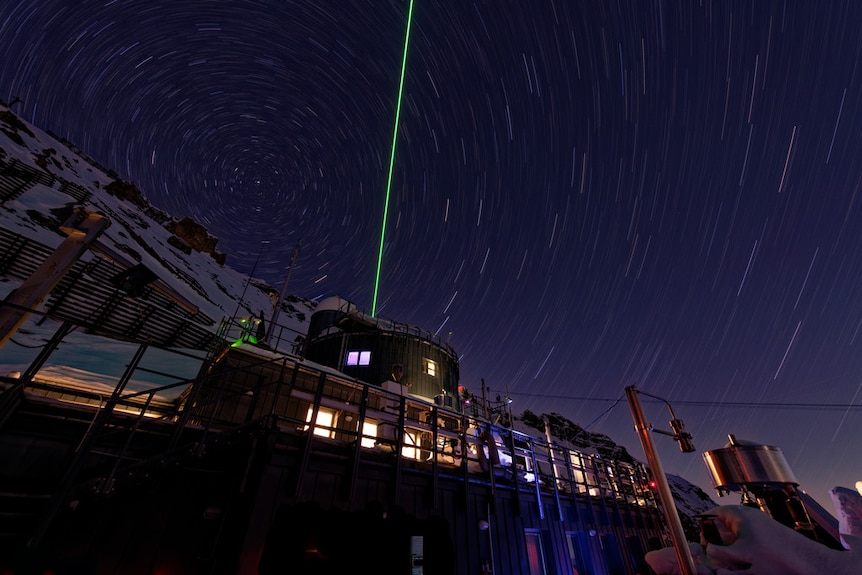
{"x":358,"y":358}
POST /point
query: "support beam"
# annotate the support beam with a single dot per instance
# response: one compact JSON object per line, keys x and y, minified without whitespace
{"x":668,"y":507}
{"x":82,"y":229}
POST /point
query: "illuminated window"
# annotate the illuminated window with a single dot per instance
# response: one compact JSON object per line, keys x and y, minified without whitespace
{"x":358,"y":358}
{"x":323,"y":424}
{"x":410,"y":448}
{"x":429,"y":367}
{"x":535,"y":553}
{"x":369,"y":434}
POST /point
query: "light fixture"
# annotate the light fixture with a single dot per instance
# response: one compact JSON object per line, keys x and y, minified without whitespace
{"x":212,"y":512}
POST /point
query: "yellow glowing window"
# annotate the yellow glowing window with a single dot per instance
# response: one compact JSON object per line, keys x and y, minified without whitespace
{"x":369,"y":434}
{"x":409,"y":449}
{"x":323,"y":424}
{"x":429,"y":367}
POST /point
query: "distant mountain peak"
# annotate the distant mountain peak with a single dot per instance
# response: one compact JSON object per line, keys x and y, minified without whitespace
{"x":690,"y":500}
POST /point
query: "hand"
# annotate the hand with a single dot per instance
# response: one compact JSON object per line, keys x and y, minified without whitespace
{"x":756,"y":544}
{"x":665,"y":562}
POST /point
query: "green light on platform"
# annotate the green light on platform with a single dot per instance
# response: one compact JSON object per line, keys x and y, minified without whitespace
{"x":391,"y":161}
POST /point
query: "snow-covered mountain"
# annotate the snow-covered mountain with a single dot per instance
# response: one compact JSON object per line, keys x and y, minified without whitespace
{"x":690,"y":500}
{"x":47,"y":178}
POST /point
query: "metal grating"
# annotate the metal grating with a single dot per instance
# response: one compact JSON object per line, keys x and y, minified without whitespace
{"x":16,"y":177}
{"x":86,"y":297}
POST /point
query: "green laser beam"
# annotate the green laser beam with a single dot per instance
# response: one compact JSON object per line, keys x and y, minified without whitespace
{"x":391,"y":162}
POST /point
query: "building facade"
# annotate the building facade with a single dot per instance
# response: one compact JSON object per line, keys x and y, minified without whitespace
{"x":277,"y":463}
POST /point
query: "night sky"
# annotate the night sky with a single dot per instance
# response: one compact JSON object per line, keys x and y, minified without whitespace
{"x":586,"y":195}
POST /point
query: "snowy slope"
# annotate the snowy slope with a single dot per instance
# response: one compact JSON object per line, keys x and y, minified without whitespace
{"x":690,"y":500}
{"x":138,"y":233}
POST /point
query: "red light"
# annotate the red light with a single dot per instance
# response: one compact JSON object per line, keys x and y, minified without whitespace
{"x":652,"y":484}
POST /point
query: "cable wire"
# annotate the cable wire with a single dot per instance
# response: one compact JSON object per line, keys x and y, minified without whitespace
{"x":703,"y":403}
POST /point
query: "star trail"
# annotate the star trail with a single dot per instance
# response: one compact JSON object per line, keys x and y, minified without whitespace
{"x":585,"y":195}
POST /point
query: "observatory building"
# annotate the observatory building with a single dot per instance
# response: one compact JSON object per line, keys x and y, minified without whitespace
{"x":376,"y":351}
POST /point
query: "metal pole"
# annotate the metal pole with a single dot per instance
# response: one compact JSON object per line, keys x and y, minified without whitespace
{"x":680,"y":545}
{"x":484,"y":400}
{"x":553,"y":460}
{"x":241,"y":300}
{"x":490,"y":540}
{"x":277,"y":309}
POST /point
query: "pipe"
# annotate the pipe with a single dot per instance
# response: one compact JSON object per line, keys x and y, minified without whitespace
{"x":680,"y":545}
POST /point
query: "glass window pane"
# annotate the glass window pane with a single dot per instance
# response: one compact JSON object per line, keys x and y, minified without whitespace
{"x":352,"y":358}
{"x":535,"y":554}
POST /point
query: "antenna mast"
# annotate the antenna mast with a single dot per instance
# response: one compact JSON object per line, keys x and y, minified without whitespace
{"x":277,"y":309}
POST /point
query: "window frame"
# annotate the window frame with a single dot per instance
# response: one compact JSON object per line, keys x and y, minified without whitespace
{"x":357,"y":358}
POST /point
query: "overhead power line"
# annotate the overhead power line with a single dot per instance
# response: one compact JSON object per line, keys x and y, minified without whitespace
{"x":704,"y":403}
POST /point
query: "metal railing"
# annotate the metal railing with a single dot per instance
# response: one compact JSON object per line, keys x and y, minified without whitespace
{"x":304,"y":398}
{"x":238,"y":387}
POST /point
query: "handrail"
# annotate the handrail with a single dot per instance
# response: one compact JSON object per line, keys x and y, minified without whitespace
{"x":424,"y":432}
{"x":387,"y":325}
